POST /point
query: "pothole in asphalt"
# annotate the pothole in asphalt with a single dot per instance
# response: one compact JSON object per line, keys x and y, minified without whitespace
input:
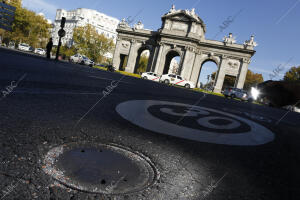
{"x":100,"y":168}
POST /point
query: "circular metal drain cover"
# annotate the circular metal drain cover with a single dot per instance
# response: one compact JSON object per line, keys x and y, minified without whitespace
{"x":100,"y":168}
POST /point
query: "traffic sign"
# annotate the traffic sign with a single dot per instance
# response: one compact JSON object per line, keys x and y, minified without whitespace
{"x":62,"y":33}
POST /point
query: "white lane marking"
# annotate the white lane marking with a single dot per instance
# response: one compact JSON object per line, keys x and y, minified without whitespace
{"x":252,"y":116}
{"x":136,"y":111}
{"x":108,"y":79}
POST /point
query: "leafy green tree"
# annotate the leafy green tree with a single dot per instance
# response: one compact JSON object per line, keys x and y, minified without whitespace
{"x":67,"y":51}
{"x":251,"y":79}
{"x":92,"y":44}
{"x":16,"y":3}
{"x":142,"y":67}
{"x":293,"y":74}
{"x":27,"y":27}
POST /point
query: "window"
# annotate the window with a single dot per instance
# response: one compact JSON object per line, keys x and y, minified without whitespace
{"x":178,"y":77}
{"x":173,"y":76}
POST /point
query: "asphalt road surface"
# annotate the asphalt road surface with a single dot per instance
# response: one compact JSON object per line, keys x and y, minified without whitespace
{"x":198,"y":146}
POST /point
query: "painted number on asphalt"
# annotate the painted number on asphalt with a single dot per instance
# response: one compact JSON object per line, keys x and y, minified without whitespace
{"x":194,"y":123}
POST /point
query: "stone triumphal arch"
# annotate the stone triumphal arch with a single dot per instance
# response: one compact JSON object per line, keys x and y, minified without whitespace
{"x":182,"y":34}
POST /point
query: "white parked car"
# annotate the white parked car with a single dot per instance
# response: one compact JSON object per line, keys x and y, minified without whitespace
{"x":77,"y":58}
{"x":86,"y":61}
{"x":24,"y":47}
{"x":81,"y":59}
{"x":150,"y":76}
{"x":40,"y":51}
{"x":176,"y":80}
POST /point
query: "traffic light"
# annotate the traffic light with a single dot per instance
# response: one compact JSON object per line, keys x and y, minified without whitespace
{"x":63,"y":21}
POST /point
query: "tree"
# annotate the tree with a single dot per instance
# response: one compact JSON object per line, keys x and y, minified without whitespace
{"x":142,"y":64}
{"x":91,"y":44}
{"x":251,"y":79}
{"x":15,"y":3}
{"x":67,"y":51}
{"x":27,"y":27}
{"x":293,"y":74}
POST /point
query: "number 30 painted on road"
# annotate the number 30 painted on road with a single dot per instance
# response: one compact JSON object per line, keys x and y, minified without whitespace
{"x":136,"y":111}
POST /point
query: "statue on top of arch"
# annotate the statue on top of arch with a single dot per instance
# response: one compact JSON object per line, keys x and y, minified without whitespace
{"x":251,"y":42}
{"x":123,"y":24}
{"x":172,"y":10}
{"x":229,"y":40}
{"x":139,"y":25}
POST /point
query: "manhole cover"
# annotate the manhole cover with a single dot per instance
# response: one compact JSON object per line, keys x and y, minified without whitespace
{"x":100,"y":168}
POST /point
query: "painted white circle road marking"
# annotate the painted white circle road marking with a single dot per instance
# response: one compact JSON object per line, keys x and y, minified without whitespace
{"x":136,"y":111}
{"x":189,"y":112}
{"x":205,"y":121}
{"x":252,"y":116}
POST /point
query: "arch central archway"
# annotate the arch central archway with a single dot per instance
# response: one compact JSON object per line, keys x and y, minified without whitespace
{"x":207,"y":75}
{"x":172,"y":57}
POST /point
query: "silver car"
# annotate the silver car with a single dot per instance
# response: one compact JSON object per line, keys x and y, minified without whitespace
{"x":237,"y":93}
{"x":81,"y":59}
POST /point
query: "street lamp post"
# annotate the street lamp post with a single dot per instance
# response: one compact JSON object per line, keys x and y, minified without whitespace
{"x":61,"y":34}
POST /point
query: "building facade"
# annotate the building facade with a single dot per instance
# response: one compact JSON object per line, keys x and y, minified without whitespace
{"x":182,"y":34}
{"x":81,"y":17}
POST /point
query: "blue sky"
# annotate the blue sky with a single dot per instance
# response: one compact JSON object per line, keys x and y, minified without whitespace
{"x":275,"y":23}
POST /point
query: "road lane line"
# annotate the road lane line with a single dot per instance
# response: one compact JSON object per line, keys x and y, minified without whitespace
{"x":108,"y":79}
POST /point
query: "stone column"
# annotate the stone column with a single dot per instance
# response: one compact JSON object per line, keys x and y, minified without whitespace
{"x":116,"y":59}
{"x":221,"y":75}
{"x":132,"y":57}
{"x":243,"y":73}
{"x":159,"y":68}
{"x":188,"y":63}
{"x":196,"y":69}
{"x":153,"y":61}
